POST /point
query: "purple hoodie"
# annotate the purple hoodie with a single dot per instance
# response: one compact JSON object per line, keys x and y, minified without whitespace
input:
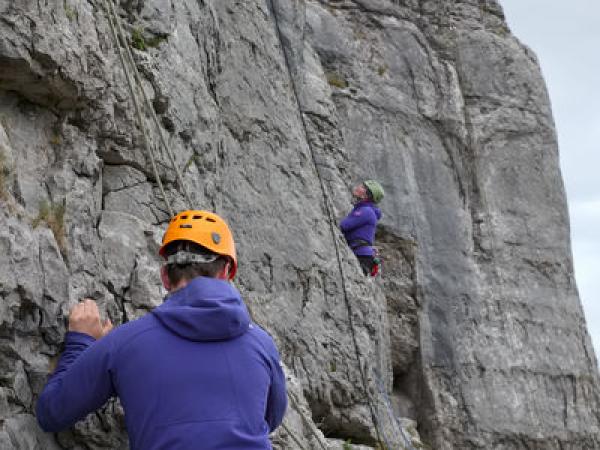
{"x":360,"y":224}
{"x":195,"y":373}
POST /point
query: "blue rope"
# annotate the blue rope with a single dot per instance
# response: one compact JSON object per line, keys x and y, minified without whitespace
{"x":388,"y":403}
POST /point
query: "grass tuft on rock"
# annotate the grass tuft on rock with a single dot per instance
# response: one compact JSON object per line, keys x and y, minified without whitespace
{"x":137,"y":39}
{"x":53,"y":216}
{"x":143,"y":43}
{"x":55,"y":139}
{"x":70,"y":12}
{"x":336,"y":80}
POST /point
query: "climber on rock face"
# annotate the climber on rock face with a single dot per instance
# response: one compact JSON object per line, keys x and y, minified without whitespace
{"x":193,"y":373}
{"x":360,"y":224}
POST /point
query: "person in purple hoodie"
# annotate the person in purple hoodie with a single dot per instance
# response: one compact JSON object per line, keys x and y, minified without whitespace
{"x":195,"y":373}
{"x":360,"y":224}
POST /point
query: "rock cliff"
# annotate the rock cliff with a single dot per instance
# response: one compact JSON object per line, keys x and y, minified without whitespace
{"x":272,"y":108}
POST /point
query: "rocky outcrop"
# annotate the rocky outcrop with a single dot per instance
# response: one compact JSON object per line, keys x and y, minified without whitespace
{"x":272,"y":108}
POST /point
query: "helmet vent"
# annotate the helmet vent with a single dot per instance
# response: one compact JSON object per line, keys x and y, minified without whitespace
{"x":210,"y":219}
{"x":197,"y":217}
{"x":185,"y":225}
{"x":184,"y":217}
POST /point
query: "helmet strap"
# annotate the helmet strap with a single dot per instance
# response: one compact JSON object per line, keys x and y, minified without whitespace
{"x":182,"y":258}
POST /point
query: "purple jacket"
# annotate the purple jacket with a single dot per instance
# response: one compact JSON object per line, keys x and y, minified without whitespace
{"x":360,"y":224}
{"x":195,"y":373}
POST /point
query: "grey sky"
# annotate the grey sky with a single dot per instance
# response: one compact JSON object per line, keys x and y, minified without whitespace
{"x":566,"y":38}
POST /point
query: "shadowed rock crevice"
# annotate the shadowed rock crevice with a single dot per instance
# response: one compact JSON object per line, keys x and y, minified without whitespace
{"x":339,"y":427}
{"x":401,"y":290}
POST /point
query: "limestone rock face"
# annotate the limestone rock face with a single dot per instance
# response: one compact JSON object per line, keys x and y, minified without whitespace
{"x":272,"y":109}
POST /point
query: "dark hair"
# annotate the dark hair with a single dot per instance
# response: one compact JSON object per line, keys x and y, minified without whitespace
{"x":188,"y":271}
{"x":369,"y":193}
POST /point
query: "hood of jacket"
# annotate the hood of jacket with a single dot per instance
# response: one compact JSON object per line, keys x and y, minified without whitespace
{"x":369,"y":204}
{"x":206,"y":309}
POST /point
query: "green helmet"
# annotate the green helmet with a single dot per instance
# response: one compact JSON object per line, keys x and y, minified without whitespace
{"x":375,"y":190}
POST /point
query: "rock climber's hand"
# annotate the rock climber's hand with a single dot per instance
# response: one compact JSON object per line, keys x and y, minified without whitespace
{"x":85,"y":318}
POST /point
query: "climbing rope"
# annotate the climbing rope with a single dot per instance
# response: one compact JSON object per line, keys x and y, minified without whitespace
{"x":351,"y":322}
{"x":107,"y":4}
{"x":332,"y":229}
{"x":292,"y":435}
{"x":129,"y":66}
{"x":150,"y":108}
{"x":292,"y":400}
{"x":126,"y":57}
{"x":308,"y":424}
{"x":407,"y":441}
{"x":385,"y":439}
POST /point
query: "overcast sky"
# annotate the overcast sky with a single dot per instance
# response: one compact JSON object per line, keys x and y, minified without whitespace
{"x":565,"y":35}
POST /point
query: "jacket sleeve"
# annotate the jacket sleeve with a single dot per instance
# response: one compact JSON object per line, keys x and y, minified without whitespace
{"x":277,"y":400}
{"x":357,"y":218}
{"x":80,"y":384}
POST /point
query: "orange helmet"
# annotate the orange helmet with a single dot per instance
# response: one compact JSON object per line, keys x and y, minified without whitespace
{"x":205,"y":229}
